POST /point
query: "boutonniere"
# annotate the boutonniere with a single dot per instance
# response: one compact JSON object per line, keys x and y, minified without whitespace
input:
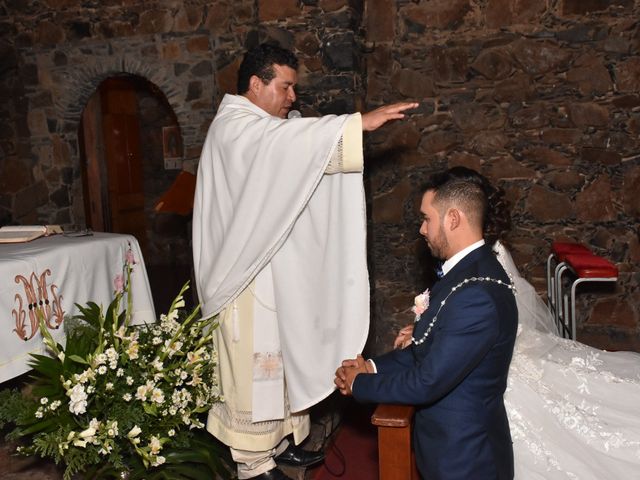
{"x":420,"y":304}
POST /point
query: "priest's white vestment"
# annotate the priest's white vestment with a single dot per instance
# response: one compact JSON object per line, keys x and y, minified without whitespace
{"x":279,"y":252}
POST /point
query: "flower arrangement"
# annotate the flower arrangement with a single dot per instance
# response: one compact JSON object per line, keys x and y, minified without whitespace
{"x":122,"y":397}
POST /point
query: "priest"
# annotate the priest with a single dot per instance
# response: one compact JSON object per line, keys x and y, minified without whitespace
{"x":279,"y":253}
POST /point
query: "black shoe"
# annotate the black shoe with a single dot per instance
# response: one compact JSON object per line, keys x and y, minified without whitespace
{"x":273,"y":474}
{"x":298,"y":457}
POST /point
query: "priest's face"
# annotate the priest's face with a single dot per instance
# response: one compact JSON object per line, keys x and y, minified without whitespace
{"x":432,"y":228}
{"x":278,"y":95}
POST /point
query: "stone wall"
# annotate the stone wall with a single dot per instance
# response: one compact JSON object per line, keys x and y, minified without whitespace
{"x":540,"y":96}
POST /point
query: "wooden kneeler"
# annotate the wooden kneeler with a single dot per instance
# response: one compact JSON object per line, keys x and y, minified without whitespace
{"x":396,"y":460}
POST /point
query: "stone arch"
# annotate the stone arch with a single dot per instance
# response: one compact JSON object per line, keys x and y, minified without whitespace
{"x":83,"y":82}
{"x":67,"y":77}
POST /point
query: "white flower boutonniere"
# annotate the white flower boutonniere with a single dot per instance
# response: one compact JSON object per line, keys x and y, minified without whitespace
{"x":421,"y":303}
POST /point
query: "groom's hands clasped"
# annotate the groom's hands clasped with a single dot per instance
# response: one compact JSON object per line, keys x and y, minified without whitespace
{"x":347,"y":372}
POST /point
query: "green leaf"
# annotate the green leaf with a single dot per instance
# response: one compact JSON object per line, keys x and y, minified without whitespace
{"x":47,"y":366}
{"x":77,"y":359}
{"x":46,"y":425}
{"x":150,"y":409}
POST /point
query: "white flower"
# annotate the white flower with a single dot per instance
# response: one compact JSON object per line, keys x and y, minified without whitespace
{"x":113,"y":357}
{"x":102,"y":369}
{"x":44,"y":400}
{"x":141,"y":392}
{"x":108,"y":386}
{"x":95,"y":424}
{"x":100,"y":359}
{"x":421,"y":303}
{"x":193,"y":357}
{"x":132,"y":350}
{"x":158,"y":461}
{"x":156,"y":340}
{"x":195,"y":381}
{"x":84,"y":377}
{"x":54,"y":405}
{"x":39,"y":413}
{"x":111,"y":354}
{"x":87,"y":435}
{"x":129,"y":380}
{"x":157,"y":364}
{"x":119,"y":372}
{"x":78,"y":403}
{"x":173,"y":347}
{"x":154,"y":445}
{"x":157,"y":396}
{"x":171,"y":432}
{"x":120,"y":332}
{"x":105,"y":450}
{"x":134,"y":432}
{"x":127,"y":397}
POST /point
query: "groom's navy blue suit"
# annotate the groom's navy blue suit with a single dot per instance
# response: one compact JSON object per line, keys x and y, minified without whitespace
{"x":457,"y":377}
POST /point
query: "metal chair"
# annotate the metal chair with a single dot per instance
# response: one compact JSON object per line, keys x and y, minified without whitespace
{"x":555,"y":268}
{"x":583,"y":268}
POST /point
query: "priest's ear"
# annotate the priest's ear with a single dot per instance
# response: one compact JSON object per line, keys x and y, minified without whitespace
{"x":255,"y":84}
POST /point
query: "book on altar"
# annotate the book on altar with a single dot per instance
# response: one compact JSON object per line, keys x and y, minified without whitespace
{"x":26,"y":233}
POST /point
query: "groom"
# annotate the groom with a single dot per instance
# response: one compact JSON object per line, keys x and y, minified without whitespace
{"x":455,"y":370}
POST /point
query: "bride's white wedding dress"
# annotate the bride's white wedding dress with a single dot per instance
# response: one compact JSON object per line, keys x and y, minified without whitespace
{"x":574,"y":410}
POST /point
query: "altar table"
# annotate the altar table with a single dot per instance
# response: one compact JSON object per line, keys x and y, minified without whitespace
{"x":52,"y":274}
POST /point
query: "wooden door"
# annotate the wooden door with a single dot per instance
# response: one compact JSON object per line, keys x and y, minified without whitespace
{"x":121,"y":136}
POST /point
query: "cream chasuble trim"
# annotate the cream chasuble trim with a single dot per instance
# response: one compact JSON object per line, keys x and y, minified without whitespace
{"x":231,"y":420}
{"x":352,"y":157}
{"x":268,"y":372}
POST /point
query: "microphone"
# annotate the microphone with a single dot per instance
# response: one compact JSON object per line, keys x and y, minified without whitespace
{"x":294,"y":114}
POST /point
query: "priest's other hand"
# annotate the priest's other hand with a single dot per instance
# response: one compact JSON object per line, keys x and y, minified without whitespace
{"x":376,"y":118}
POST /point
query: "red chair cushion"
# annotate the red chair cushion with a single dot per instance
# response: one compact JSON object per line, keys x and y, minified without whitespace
{"x":562,"y":249}
{"x":592,"y":266}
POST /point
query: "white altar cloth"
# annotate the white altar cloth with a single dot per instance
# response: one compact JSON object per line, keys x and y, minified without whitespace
{"x":53,"y":274}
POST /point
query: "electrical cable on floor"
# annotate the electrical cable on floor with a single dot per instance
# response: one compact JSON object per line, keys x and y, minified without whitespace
{"x":329,"y":442}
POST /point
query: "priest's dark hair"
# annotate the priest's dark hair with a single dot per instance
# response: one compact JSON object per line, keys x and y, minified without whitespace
{"x":259,"y":61}
{"x":496,"y":215}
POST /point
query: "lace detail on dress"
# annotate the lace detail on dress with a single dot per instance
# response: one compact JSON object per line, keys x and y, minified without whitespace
{"x":565,"y":402}
{"x":573,"y":409}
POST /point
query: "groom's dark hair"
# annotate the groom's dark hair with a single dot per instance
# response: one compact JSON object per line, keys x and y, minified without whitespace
{"x":495,"y":213}
{"x":469,"y":197}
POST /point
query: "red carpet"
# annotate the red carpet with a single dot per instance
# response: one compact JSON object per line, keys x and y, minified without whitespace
{"x":352,"y":454}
